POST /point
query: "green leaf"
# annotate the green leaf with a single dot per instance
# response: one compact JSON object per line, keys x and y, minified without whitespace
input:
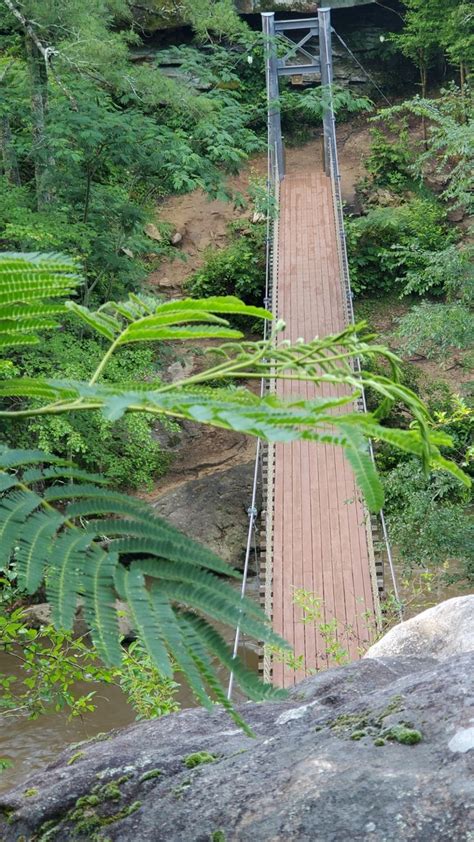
{"x":367,"y":479}
{"x":14,"y":510}
{"x":36,"y":544}
{"x":99,"y":604}
{"x":63,"y":580}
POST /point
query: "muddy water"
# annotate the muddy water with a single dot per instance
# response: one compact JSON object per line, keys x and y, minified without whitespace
{"x":31,"y":744}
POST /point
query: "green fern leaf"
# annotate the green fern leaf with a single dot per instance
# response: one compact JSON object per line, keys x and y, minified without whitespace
{"x":7,"y":481}
{"x":358,"y":454}
{"x":131,"y":584}
{"x":249,"y":681}
{"x":29,"y":388}
{"x":136,"y":333}
{"x":99,"y":604}
{"x":18,"y":457}
{"x":162,"y":541}
{"x":69,"y":472}
{"x":14,"y":510}
{"x":200,"y":658}
{"x":9,"y":341}
{"x":223,"y":610}
{"x":215,"y":304}
{"x":36,"y":543}
{"x":172,"y":636}
{"x":197,"y":577}
{"x":63,"y":580}
{"x":105,"y":326}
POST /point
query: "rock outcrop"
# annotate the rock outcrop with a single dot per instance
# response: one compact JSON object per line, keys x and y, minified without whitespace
{"x":379,"y":751}
{"x":213,"y":510}
{"x":440,"y":632}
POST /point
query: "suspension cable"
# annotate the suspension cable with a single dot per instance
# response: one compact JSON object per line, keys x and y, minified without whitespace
{"x":252,"y":510}
{"x":344,"y":263}
{"x":354,"y":58}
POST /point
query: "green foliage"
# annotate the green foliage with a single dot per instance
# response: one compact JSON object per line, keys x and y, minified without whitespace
{"x":125,"y":452}
{"x":149,"y":692}
{"x":78,"y":547}
{"x":111,"y":135}
{"x":387,"y":242}
{"x":389,"y":159}
{"x":52,"y":663}
{"x":82,"y":541}
{"x":436,"y":330}
{"x":449,"y":271}
{"x":31,"y":287}
{"x":449,"y":149}
{"x":237,"y":269}
{"x":428,"y":520}
{"x":300,"y":111}
{"x":433,"y":29}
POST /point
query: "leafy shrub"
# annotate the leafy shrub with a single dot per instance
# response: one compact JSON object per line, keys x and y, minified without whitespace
{"x":303,"y":110}
{"x":373,"y":240}
{"x":238,"y":269}
{"x":389,"y":160}
{"x":436,"y":330}
{"x":449,"y":271}
{"x":428,"y":518}
{"x":54,"y":661}
{"x":124,"y":451}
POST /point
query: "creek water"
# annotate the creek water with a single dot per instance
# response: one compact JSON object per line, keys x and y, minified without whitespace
{"x":30,"y":744}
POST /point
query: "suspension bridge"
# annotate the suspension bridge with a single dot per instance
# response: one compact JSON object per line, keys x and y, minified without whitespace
{"x":318,"y":536}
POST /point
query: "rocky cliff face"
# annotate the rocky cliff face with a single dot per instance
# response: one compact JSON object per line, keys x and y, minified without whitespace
{"x":380,"y":751}
{"x":153,"y":15}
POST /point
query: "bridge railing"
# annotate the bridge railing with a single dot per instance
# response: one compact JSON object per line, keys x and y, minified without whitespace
{"x":264,"y":455}
{"x":338,"y":207}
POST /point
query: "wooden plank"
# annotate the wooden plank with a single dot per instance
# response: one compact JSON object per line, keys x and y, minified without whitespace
{"x":319,"y":539}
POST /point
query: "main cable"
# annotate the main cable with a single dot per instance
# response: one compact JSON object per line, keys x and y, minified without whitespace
{"x":354,"y":58}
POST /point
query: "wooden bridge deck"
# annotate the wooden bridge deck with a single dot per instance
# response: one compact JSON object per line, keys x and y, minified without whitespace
{"x":319,"y":530}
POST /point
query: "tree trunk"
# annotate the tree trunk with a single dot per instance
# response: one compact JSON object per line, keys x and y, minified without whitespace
{"x":39,"y":108}
{"x":10,"y":164}
{"x":424,"y":87}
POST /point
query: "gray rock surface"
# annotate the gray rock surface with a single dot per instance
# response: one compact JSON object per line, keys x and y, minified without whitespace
{"x":322,"y":767}
{"x":213,"y":510}
{"x":440,"y":632}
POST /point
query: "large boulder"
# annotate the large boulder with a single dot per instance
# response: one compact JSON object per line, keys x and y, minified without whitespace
{"x":445,"y":630}
{"x":380,"y":751}
{"x":213,"y":510}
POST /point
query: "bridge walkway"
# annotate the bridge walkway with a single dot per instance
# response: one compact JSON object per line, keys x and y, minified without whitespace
{"x":320,"y":531}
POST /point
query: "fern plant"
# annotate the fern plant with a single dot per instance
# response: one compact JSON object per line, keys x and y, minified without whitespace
{"x":65,"y":528}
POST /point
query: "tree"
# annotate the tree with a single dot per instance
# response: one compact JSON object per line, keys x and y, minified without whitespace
{"x":63,"y":525}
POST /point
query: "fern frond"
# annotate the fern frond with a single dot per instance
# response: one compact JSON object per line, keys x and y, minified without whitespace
{"x":14,"y":510}
{"x":367,"y":478}
{"x":36,"y":542}
{"x":27,"y":282}
{"x":204,"y":666}
{"x":159,"y":539}
{"x":69,"y":472}
{"x":175,"y":643}
{"x":195,"y":576}
{"x":18,"y":457}
{"x":225,"y":611}
{"x":131,"y":585}
{"x":91,"y":561}
{"x":99,"y":604}
{"x":63,"y":582}
{"x":215,"y":643}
